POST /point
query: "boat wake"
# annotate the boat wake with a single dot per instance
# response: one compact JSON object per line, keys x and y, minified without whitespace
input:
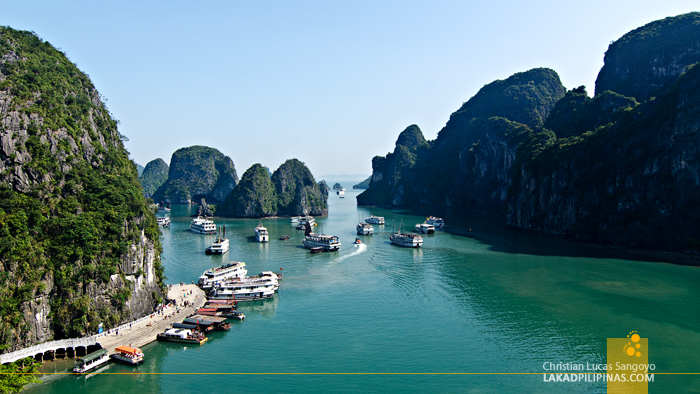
{"x":360,"y":248}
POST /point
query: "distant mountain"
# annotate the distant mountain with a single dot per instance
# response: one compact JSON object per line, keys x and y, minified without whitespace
{"x":254,"y":196}
{"x":154,"y":176}
{"x":290,"y":191}
{"x":139,"y":169}
{"x":364,"y":184}
{"x":196,"y":172}
{"x":470,"y":162}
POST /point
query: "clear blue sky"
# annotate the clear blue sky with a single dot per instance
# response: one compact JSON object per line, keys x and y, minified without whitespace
{"x":330,"y":82}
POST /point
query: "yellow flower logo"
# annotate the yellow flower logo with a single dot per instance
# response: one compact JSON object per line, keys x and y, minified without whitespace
{"x":633,"y":348}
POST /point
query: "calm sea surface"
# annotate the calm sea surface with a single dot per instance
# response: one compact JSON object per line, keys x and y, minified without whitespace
{"x":475,"y":298}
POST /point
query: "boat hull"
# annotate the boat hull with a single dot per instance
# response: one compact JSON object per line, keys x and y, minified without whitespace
{"x":182,"y":340}
{"x":126,"y":360}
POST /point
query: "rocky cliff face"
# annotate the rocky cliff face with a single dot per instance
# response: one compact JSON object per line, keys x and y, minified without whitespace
{"x":647,"y":60}
{"x":635,"y":182}
{"x":254,"y":196}
{"x":469,"y":165}
{"x":78,"y":245}
{"x":196,"y":172}
{"x":631,"y":179}
{"x":297,"y":191}
{"x":153,"y":176}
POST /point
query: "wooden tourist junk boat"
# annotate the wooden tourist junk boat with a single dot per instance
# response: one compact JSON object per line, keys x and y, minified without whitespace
{"x":201,"y":225}
{"x":425,"y":228}
{"x":375,"y":220}
{"x":182,"y":335}
{"x":205,"y":322}
{"x":364,"y":229}
{"x":437,"y":222}
{"x":406,"y":240}
{"x":128,"y":355}
{"x":221,"y":245}
{"x":91,"y":361}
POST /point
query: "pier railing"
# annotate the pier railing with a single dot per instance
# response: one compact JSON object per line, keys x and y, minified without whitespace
{"x":67,"y":343}
{"x":46,"y":346}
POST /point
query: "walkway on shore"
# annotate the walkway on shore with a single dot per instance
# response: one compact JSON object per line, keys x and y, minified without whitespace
{"x":145,"y":331}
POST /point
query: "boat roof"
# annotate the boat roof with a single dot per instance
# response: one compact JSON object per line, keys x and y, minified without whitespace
{"x":128,"y":349}
{"x":206,"y":310}
{"x":201,"y":320}
{"x":94,"y":355}
{"x":185,"y":326}
{"x":212,"y":319}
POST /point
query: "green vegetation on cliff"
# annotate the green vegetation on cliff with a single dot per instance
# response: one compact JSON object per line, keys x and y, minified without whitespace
{"x":647,"y":60}
{"x":71,"y":206}
{"x":472,"y":154}
{"x":297,"y":191}
{"x":196,"y":172}
{"x":154,"y":176}
{"x":253,"y":197}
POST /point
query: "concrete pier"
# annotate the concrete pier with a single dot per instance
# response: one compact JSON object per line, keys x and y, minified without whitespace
{"x":145,"y":331}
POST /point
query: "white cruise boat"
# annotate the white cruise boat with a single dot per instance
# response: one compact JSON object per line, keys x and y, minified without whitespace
{"x":364,"y":229}
{"x":328,"y":243}
{"x":245,"y":290}
{"x":341,"y":191}
{"x":425,"y":228}
{"x":375,"y":220}
{"x":201,"y":225}
{"x":437,"y":222}
{"x":163,"y":221}
{"x":226,"y":272}
{"x":220,"y":246}
{"x":295,"y":219}
{"x":261,"y":233}
{"x":406,"y":240}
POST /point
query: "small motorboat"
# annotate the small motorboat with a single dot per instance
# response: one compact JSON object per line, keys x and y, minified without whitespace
{"x":358,"y":241}
{"x":284,"y":237}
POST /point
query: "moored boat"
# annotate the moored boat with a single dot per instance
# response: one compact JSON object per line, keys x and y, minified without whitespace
{"x":261,"y":233}
{"x":364,"y":229}
{"x":246,"y":290}
{"x":437,"y":222}
{"x":228,"y":271}
{"x":128,"y":355}
{"x":406,"y":240}
{"x":91,"y":361}
{"x":201,"y":225}
{"x":329,"y":243}
{"x":203,"y":321}
{"x":375,"y":220}
{"x":163,"y":221}
{"x":425,"y":228}
{"x":181,"y":335}
{"x":220,"y":246}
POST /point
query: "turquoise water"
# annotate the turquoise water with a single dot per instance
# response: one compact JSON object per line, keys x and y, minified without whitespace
{"x":475,"y":298}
